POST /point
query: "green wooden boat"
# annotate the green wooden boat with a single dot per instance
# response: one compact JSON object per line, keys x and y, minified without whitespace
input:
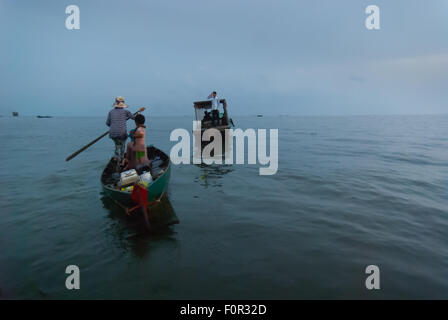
{"x":160,"y":171}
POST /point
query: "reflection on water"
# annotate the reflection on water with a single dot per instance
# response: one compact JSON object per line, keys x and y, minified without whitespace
{"x":130,"y":231}
{"x":211,"y":175}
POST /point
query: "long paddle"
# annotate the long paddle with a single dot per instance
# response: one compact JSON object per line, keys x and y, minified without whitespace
{"x":70,"y":157}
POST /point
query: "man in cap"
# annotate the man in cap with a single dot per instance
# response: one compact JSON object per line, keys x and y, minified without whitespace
{"x":116,"y":120}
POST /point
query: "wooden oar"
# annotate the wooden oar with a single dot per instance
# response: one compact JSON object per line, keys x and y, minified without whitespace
{"x":70,"y":157}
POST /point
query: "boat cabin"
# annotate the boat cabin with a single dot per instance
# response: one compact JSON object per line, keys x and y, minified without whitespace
{"x":202,"y":111}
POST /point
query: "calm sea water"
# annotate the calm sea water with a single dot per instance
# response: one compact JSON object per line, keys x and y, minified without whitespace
{"x":350,"y":192}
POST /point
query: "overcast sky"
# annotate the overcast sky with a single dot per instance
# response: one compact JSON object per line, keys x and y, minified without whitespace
{"x":311,"y":57}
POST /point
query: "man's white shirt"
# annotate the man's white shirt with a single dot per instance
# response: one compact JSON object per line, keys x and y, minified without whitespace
{"x":215,"y":103}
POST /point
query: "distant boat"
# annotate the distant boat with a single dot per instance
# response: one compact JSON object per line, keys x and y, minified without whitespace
{"x":15,"y":114}
{"x":259,"y":115}
{"x":44,"y":116}
{"x":223,"y":123}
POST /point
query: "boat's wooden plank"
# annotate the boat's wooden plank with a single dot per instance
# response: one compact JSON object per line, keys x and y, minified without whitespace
{"x":206,"y":104}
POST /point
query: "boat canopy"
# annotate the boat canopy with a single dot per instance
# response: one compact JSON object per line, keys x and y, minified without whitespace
{"x":206,"y":104}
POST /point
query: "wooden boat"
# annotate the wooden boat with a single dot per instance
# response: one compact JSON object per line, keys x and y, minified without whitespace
{"x":15,"y":114}
{"x":202,"y":106}
{"x":160,"y":171}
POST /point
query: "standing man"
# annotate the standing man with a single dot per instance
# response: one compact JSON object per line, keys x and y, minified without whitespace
{"x":116,"y":120}
{"x":215,"y":107}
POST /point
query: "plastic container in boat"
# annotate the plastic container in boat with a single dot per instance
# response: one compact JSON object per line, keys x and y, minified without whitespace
{"x":146,"y":179}
{"x":128,"y":177}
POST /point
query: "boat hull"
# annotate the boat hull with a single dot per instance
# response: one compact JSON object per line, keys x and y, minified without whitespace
{"x":155,"y":190}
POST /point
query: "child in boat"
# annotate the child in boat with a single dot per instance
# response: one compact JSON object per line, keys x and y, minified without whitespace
{"x":139,"y":137}
{"x":125,"y":162}
{"x":116,"y":120}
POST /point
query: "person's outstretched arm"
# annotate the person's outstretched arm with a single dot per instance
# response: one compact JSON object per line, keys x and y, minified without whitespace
{"x":129,"y":115}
